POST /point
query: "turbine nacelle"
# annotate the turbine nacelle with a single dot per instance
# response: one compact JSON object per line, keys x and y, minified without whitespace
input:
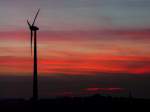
{"x":34,"y":28}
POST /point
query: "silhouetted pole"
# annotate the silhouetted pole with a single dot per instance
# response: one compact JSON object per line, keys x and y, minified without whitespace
{"x":34,"y":29}
{"x":35,"y":73}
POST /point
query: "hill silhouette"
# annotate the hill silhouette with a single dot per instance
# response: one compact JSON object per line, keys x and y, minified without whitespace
{"x":88,"y":103}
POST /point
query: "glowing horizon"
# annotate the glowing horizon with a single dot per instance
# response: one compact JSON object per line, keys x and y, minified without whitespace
{"x":109,"y":52}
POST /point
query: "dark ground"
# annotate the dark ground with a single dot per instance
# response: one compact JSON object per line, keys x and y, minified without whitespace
{"x":95,"y":103}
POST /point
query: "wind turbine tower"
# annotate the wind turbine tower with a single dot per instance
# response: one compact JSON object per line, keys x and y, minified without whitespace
{"x":33,"y":30}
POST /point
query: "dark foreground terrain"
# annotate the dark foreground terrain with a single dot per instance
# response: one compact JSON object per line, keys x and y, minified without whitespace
{"x":95,"y":103}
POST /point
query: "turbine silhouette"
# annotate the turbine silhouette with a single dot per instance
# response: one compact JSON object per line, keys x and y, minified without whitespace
{"x":33,"y":30}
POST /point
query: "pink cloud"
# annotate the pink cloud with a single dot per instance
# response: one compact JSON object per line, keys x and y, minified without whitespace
{"x":104,"y":90}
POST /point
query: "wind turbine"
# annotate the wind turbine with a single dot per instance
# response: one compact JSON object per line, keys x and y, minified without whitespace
{"x":34,"y":30}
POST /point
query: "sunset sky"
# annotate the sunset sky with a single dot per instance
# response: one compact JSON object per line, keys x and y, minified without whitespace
{"x":102,"y":46}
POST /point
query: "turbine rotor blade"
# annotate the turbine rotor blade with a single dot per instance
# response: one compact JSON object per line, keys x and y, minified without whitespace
{"x":31,"y":40}
{"x":28,"y":24}
{"x":35,"y":17}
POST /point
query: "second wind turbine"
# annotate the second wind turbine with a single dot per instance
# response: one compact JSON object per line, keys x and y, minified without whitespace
{"x":34,"y":30}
